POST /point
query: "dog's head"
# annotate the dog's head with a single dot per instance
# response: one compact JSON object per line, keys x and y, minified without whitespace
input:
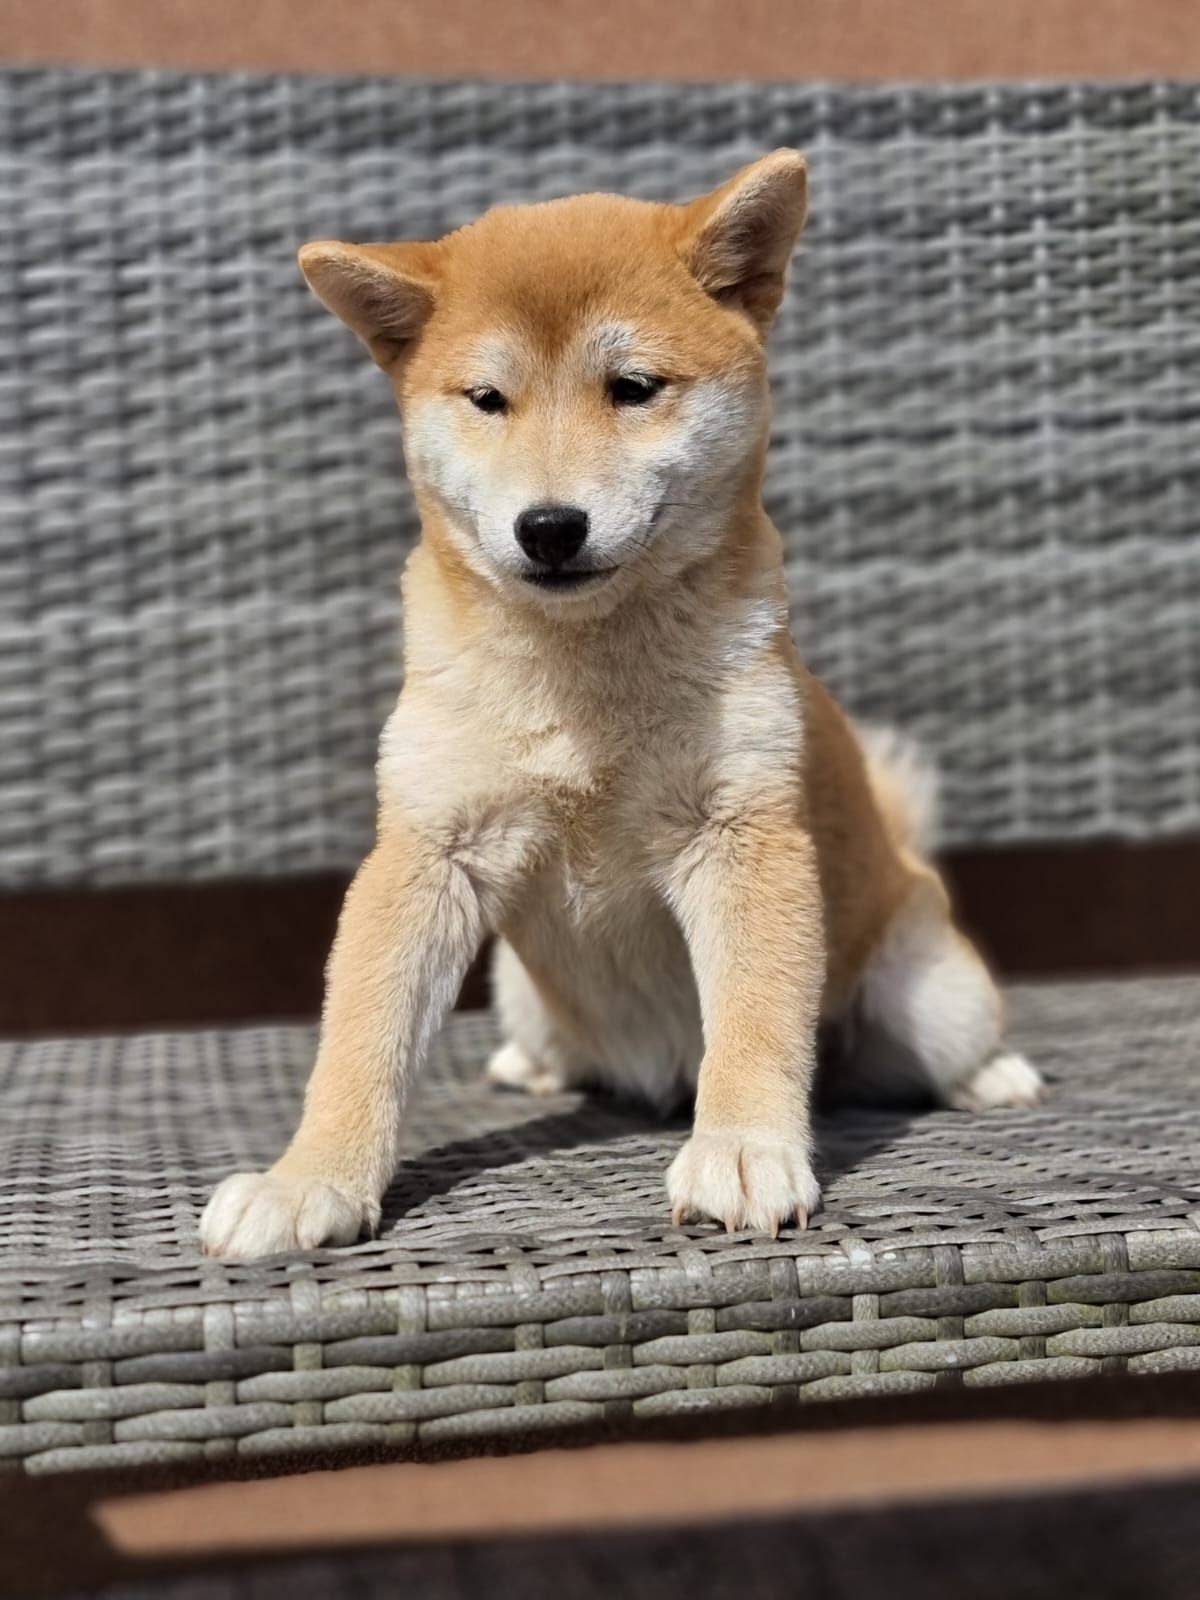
{"x":582,"y":382}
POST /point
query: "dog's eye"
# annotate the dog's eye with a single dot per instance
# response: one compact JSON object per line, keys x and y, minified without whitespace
{"x":634,"y":390}
{"x":487,"y":399}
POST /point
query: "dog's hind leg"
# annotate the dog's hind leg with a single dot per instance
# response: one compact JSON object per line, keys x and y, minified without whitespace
{"x":929,"y":1019}
{"x":536,"y":1058}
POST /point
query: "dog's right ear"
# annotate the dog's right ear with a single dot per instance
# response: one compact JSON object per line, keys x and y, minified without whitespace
{"x":382,"y":292}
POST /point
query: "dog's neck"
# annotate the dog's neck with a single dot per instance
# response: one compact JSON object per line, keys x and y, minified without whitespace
{"x":572,"y":700}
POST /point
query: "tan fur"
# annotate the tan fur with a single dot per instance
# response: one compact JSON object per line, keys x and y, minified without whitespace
{"x":635,"y":782}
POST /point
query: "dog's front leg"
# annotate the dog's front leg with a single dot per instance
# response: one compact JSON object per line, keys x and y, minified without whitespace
{"x":413,"y":918}
{"x":749,"y":901}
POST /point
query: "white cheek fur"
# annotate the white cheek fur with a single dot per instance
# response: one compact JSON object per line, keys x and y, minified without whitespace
{"x":437,"y":456}
{"x":681,"y":477}
{"x":443,"y":457}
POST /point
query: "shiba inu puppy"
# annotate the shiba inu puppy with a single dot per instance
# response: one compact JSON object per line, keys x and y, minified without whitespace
{"x":607,"y":751}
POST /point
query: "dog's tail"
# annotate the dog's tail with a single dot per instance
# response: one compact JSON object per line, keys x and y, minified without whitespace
{"x":904,"y":781}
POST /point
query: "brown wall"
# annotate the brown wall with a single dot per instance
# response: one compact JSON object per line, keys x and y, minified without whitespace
{"x":783,"y":39}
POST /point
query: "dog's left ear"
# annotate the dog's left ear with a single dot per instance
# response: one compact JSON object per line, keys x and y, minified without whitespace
{"x":739,"y":239}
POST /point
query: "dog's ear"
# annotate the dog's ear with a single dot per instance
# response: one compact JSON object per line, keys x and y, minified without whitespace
{"x":382,"y":292}
{"x":739,"y":239}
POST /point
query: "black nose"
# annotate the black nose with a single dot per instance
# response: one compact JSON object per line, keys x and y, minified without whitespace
{"x":551,"y":535}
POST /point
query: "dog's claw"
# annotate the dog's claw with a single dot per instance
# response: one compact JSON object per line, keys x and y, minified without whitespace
{"x":1005,"y":1081}
{"x":677,"y":1216}
{"x":750,"y":1182}
{"x":256,"y":1214}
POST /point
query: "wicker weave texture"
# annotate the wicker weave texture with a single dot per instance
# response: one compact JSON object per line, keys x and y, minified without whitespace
{"x":527,"y":1276}
{"x":985,"y":458}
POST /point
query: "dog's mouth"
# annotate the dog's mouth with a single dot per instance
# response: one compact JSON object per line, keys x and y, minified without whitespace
{"x":560,"y":582}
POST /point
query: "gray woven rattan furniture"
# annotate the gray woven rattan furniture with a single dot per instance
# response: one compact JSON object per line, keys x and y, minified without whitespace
{"x":527,"y":1278}
{"x":986,"y":456}
{"x":987,"y":467}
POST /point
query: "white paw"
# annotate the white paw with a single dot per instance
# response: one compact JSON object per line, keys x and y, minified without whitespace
{"x":743,"y":1179}
{"x":513,"y":1068}
{"x":256,"y":1214}
{"x":1004,"y":1081}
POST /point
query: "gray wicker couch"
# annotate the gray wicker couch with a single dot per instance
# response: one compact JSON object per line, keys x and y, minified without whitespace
{"x":987,"y":464}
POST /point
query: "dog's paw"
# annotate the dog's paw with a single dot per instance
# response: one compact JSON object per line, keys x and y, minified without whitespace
{"x":256,"y":1214}
{"x":746,"y":1180}
{"x":1007,"y":1080}
{"x":511,"y":1067}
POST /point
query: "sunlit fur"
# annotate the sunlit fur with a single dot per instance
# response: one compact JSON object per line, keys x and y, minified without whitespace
{"x":688,"y":857}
